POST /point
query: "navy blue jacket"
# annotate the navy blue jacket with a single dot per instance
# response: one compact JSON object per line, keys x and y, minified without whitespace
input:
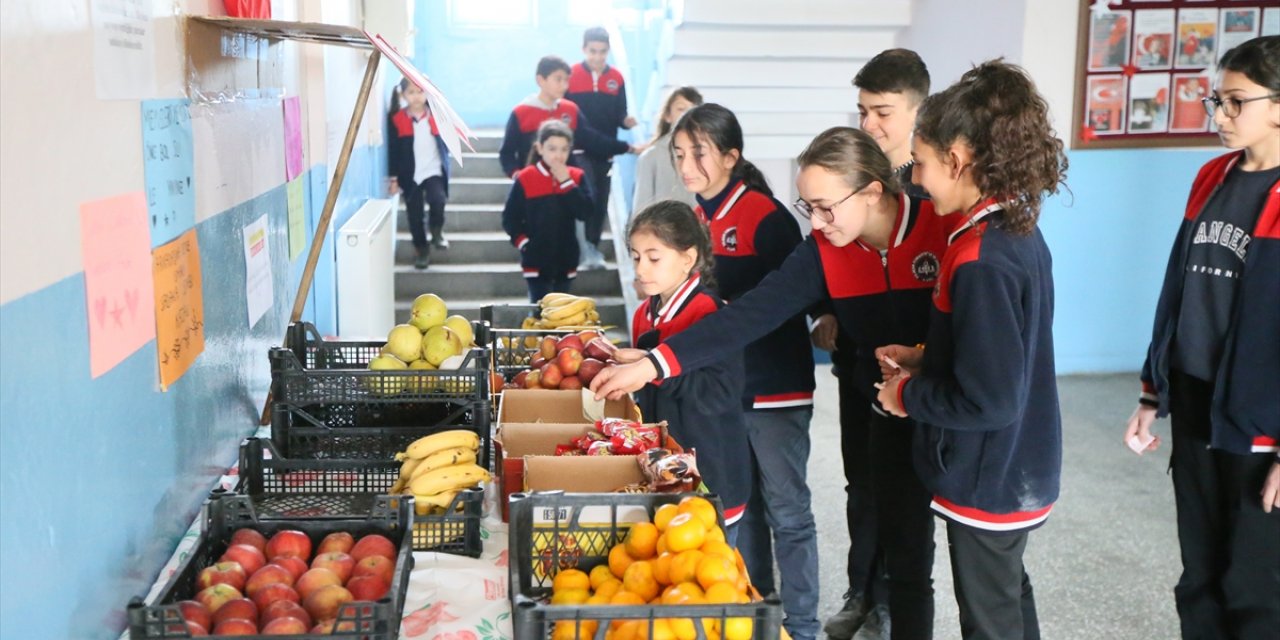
{"x":603,"y":100}
{"x":539,"y":217}
{"x":522,"y":128}
{"x":400,"y":159}
{"x":703,"y":408}
{"x":751,"y":235}
{"x":1244,"y":414}
{"x":989,"y":446}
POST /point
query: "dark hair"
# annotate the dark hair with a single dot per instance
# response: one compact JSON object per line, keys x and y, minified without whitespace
{"x":547,"y":130}
{"x":676,"y":225}
{"x":895,"y":71}
{"x":688,"y":93}
{"x":852,"y":154}
{"x":595,"y":34}
{"x":721,"y":128}
{"x":551,"y":64}
{"x":1259,"y":60}
{"x":396,"y":94}
{"x":995,"y":109}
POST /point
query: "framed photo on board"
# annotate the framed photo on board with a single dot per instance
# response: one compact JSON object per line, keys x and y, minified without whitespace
{"x":1143,"y":67}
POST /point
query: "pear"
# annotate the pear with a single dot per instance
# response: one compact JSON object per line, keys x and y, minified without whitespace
{"x":422,"y":383}
{"x":428,"y":311}
{"x":386,"y":385}
{"x":404,"y":342}
{"x":462,"y":327}
{"x":439,"y":343}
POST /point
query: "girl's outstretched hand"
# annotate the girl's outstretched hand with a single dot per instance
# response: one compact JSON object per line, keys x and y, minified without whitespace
{"x":627,"y":356}
{"x":1271,"y":488}
{"x":888,"y":395}
{"x":614,"y":382}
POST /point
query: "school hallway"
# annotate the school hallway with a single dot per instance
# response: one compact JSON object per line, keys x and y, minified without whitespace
{"x":1104,"y":564}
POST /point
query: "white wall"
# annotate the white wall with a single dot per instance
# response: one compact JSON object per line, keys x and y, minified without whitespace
{"x":951,"y":36}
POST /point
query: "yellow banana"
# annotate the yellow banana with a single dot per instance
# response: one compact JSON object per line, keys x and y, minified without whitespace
{"x":444,"y":458}
{"x":424,"y":505}
{"x":554,"y":298}
{"x":577,"y":306}
{"x":567,"y":321}
{"x":528,"y":323}
{"x":427,"y":445}
{"x":448,"y":478}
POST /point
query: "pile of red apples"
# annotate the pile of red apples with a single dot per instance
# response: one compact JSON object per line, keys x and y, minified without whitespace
{"x":567,"y":362}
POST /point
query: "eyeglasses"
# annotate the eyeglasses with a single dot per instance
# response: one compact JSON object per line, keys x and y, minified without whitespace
{"x":1230,"y":106}
{"x":825,"y":214}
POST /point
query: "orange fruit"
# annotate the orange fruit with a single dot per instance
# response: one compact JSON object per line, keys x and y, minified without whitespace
{"x":623,"y":598}
{"x":717,"y":569}
{"x":600,"y":575}
{"x":569,"y":596}
{"x":642,"y":541}
{"x":683,"y":629}
{"x":737,"y":629}
{"x":570,"y":579}
{"x":722,"y":593}
{"x":702,"y":508}
{"x":598,"y":599}
{"x":662,"y":568}
{"x":685,"y":531}
{"x":626,"y":629}
{"x":663,"y":515}
{"x":661,"y":547}
{"x":571,"y":630}
{"x":683,"y":593}
{"x":639,"y":580}
{"x":660,"y":630}
{"x":715,"y":533}
{"x":716,"y":548}
{"x":684,"y":567}
{"x":609,"y":587}
{"x":619,"y":560}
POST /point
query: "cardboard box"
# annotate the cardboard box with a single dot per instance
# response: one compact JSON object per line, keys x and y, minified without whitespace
{"x":556,"y":406}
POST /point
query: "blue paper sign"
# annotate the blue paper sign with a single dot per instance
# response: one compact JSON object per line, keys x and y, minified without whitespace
{"x":168,"y":168}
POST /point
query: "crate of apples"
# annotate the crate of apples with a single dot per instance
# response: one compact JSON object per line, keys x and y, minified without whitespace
{"x":566,"y":362}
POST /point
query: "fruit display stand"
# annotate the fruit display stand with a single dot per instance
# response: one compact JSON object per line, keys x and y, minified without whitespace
{"x":159,"y":616}
{"x":552,"y":532}
{"x":512,"y":348}
{"x":340,"y":488}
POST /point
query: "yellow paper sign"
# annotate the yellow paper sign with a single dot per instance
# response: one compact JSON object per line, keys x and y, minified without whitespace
{"x":179,"y":306}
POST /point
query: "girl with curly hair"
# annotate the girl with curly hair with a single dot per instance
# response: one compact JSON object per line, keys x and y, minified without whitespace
{"x":989,"y":442}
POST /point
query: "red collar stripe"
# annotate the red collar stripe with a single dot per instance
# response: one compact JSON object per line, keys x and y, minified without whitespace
{"x":979,"y":519}
{"x":730,"y":201}
{"x":980,"y":211}
{"x":673,"y":306}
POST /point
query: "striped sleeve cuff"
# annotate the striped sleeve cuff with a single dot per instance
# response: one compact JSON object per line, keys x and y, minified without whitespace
{"x":903,"y":387}
{"x":520,"y":241}
{"x":1148,"y":396}
{"x":664,"y":361}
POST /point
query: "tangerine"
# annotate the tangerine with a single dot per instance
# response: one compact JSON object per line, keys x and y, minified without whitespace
{"x":737,"y":628}
{"x":715,"y":548}
{"x":685,"y":531}
{"x":716,"y":533}
{"x":600,"y":575}
{"x":684,"y":567}
{"x":701,"y":507}
{"x":661,"y":546}
{"x":642,"y":540}
{"x":609,"y":587}
{"x":619,"y":560}
{"x":626,"y":629}
{"x":722,"y":593}
{"x":717,"y":569}
{"x":571,"y":630}
{"x":663,"y":515}
{"x":570,"y":579}
{"x":639,"y":580}
{"x":683,"y":593}
{"x":659,"y":630}
{"x":662,"y":568}
{"x":569,"y":596}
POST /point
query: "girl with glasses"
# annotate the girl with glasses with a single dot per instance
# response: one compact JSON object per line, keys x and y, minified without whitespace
{"x":1213,"y":364}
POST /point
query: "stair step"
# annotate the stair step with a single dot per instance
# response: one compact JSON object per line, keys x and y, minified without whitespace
{"x":476,"y":246}
{"x":479,"y":190}
{"x":500,"y":280}
{"x":459,"y":218}
{"x":478,"y":165}
{"x":611,"y":308}
{"x":487,"y":140}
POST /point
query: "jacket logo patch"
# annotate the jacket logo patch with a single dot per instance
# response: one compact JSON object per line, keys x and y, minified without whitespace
{"x":729,"y":239}
{"x":925,"y":267}
{"x":612,"y":84}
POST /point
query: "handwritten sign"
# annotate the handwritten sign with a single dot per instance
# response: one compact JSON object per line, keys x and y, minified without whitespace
{"x":297,"y":218}
{"x":292,"y":138}
{"x":179,"y":306}
{"x":167,"y":167}
{"x":257,"y":269}
{"x":117,"y":282}
{"x":124,"y":49}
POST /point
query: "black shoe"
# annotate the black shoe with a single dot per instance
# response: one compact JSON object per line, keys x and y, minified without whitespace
{"x":423,"y":259}
{"x":876,"y":626}
{"x":849,"y":619}
{"x":438,"y":241}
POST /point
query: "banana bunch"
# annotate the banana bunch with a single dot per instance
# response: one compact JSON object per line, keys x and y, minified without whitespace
{"x":435,"y":468}
{"x":565,"y":311}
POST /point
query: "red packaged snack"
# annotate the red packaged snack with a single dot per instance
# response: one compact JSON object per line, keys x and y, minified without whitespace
{"x":602,"y":448}
{"x":568,"y":450}
{"x":631,"y":441}
{"x":669,"y":472}
{"x":610,"y":426}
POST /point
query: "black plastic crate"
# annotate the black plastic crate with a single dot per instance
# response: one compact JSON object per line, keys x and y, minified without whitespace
{"x":553,"y":531}
{"x":338,"y":488}
{"x":508,"y":348}
{"x":223,"y":514}
{"x":377,"y":432}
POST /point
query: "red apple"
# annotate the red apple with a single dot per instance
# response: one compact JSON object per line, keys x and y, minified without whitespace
{"x":375,"y":566}
{"x":289,"y":542}
{"x":588,"y":369}
{"x":551,"y":376}
{"x":284,"y":609}
{"x":193,"y":611}
{"x":547,"y":348}
{"x":221,"y":573}
{"x":324,"y":603}
{"x":368,"y":587}
{"x":295,"y":566}
{"x":569,"y":360}
{"x":284,"y":627}
{"x":219,"y":594}
{"x":533,"y":380}
{"x":537,"y":361}
{"x":337,"y":562}
{"x":496,"y":383}
{"x":600,"y":349}
{"x":236,"y":627}
{"x":337,"y":541}
{"x":249,"y":537}
{"x":270,"y":574}
{"x":314,"y":579}
{"x":327,"y":627}
{"x":587,"y":335}
{"x":374,"y":545}
{"x":242,"y":608}
{"x":195,"y":629}
{"x":518,"y":381}
{"x":571,"y":341}
{"x":273,"y":593}
{"x":250,"y":558}
{"x":571,"y":382}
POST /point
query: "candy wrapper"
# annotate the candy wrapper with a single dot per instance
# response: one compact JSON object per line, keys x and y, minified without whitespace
{"x":568,"y":450}
{"x":634,"y":440}
{"x":610,"y":426}
{"x":602,"y":448}
{"x":669,"y":472}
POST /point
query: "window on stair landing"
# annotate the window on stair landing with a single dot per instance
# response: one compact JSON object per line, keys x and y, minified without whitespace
{"x":493,"y":13}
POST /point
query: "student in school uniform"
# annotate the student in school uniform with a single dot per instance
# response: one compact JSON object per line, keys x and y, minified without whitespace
{"x":891,"y":87}
{"x":601,"y":95}
{"x":984,"y":390}
{"x":656,"y":176}
{"x":546,"y":199}
{"x":751,"y":234}
{"x":549,"y":103}
{"x":418,"y":161}
{"x":1213,"y":364}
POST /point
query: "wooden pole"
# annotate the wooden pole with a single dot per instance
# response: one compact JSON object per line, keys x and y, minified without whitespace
{"x":330,"y":201}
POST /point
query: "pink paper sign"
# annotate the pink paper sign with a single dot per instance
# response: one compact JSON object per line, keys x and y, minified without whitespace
{"x":292,"y":138}
{"x":115,"y":242}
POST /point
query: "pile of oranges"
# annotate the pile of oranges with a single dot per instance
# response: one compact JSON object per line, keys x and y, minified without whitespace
{"x":679,"y":558}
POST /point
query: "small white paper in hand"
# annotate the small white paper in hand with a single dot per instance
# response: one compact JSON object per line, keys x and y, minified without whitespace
{"x":592,"y":409}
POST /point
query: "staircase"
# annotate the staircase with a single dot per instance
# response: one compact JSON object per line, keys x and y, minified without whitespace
{"x":481,"y":267}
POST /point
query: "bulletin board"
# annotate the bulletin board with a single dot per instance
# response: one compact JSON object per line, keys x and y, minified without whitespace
{"x":1143,"y":66}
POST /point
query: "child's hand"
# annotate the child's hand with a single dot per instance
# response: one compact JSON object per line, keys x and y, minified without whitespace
{"x":619,"y":380}
{"x":629,"y":122}
{"x":1137,"y":433}
{"x":823,"y":333}
{"x":639,"y":148}
{"x":907,"y":358}
{"x":1271,"y":489}
{"x":627,"y":356}
{"x":393,"y":186}
{"x":888,"y":395}
{"x":559,"y":171}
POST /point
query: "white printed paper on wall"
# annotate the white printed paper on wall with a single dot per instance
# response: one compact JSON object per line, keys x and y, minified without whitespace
{"x":1149,"y":103}
{"x":1197,"y":37}
{"x":1270,"y":22}
{"x":1153,"y":38}
{"x":124,"y":49}
{"x":1237,"y":26}
{"x":257,"y":269}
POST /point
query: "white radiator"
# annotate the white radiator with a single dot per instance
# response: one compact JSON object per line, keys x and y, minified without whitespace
{"x":366,"y":248}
